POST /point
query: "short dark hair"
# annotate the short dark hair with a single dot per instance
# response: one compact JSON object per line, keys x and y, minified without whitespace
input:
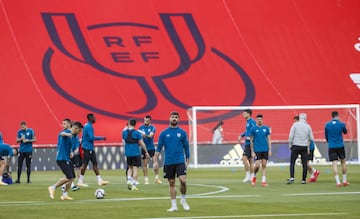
{"x":67,"y":120}
{"x":296,"y":118}
{"x":89,"y":116}
{"x":259,"y":116}
{"x":17,"y":151}
{"x":132,"y":122}
{"x":78,"y":124}
{"x":22,"y":123}
{"x":248,"y":111}
{"x":148,"y":117}
{"x":174,"y":113}
{"x":334,"y":114}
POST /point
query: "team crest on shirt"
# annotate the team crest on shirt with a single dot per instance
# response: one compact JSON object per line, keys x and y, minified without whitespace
{"x":178,"y":134}
{"x":264,"y":130}
{"x":167,"y":135}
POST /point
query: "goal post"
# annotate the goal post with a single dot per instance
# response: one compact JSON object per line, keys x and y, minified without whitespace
{"x":203,"y":121}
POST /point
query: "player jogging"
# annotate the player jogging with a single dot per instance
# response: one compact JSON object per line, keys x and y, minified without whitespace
{"x":63,"y":154}
{"x":76,"y":161}
{"x":133,"y":139}
{"x":88,"y":139}
{"x":260,"y":144}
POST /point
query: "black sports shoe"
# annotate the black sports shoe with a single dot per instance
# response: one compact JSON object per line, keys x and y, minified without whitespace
{"x":29,"y":181}
{"x":75,"y":188}
{"x":17,"y":181}
{"x":303,"y":182}
{"x":290,"y":181}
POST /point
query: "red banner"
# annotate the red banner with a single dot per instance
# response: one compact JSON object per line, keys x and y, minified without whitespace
{"x":127,"y":59}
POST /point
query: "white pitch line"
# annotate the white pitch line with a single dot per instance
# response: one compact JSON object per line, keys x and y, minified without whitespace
{"x":222,"y":189}
{"x":225,"y":196}
{"x":199,"y":195}
{"x":251,"y":215}
{"x":42,"y":203}
{"x":22,"y":202}
{"x":322,"y":193}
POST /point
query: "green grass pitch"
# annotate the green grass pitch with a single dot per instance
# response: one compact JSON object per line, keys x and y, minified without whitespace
{"x":212,"y":193}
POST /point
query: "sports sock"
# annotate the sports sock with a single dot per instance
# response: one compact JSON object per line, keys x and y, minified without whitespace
{"x":98,"y":177}
{"x":65,"y":193}
{"x":156,"y":176}
{"x":183,"y":196}
{"x":1,"y":178}
{"x":130,"y":179}
{"x":72,"y":184}
{"x":312,"y":172}
{"x":344,"y":178}
{"x":337,"y":179}
{"x":173,"y":203}
{"x":263,"y":179}
{"x":146,"y":178}
{"x":247,"y":174}
{"x":252,"y":175}
{"x":81,"y":178}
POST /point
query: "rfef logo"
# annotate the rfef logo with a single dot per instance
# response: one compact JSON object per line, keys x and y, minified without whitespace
{"x":135,"y":53}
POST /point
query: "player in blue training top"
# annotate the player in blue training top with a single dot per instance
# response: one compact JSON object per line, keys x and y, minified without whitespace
{"x":5,"y":151}
{"x":133,"y":139}
{"x":63,"y":155}
{"x":334,"y":131}
{"x":247,"y":157}
{"x":26,"y":137}
{"x":260,"y":144}
{"x":314,"y":173}
{"x":148,"y":132}
{"x":88,"y":139}
{"x":75,"y":160}
{"x":175,"y":142}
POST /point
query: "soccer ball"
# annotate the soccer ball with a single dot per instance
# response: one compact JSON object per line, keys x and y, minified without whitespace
{"x":99,"y":193}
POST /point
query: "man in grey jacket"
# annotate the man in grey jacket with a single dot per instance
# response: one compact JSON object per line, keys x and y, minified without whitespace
{"x":299,"y":140}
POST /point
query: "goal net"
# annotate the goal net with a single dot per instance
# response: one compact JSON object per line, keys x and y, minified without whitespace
{"x":214,"y":132}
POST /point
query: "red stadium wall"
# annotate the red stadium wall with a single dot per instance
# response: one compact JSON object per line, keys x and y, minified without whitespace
{"x":121,"y":59}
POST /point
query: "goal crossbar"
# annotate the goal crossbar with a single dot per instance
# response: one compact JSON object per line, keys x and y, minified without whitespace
{"x":194,"y":109}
